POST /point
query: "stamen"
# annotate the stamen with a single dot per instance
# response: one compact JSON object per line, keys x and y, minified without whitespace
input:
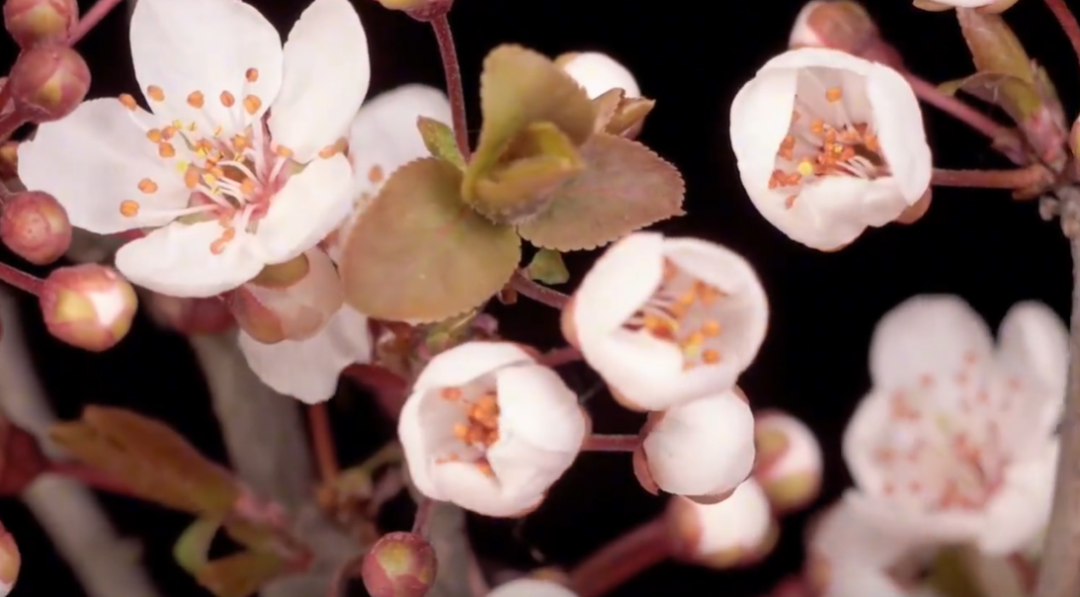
{"x":252,"y":75}
{"x":129,"y":209}
{"x":375,"y":174}
{"x":148,"y":186}
{"x":227,"y":99}
{"x":196,"y":99}
{"x":155,"y":93}
{"x":128,"y":101}
{"x":252,"y":104}
{"x":166,"y":150}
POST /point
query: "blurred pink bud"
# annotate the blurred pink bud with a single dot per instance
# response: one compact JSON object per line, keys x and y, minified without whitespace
{"x":49,"y":82}
{"x":21,"y":460}
{"x":789,"y":461}
{"x":734,"y":533}
{"x":399,"y":565}
{"x":1074,"y":142}
{"x":9,"y":159}
{"x":10,"y":561}
{"x":842,"y":25}
{"x":191,"y":316}
{"x":35,"y":227}
{"x":90,"y":306}
{"x":39,"y":22}
{"x":289,"y":301}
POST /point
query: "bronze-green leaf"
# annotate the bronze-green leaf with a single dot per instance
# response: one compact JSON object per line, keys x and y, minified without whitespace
{"x":241,"y":574}
{"x":520,"y":88}
{"x":419,"y":254}
{"x":994,"y":47}
{"x":440,"y":141}
{"x":547,"y":267}
{"x":1018,"y":97}
{"x":153,"y":460}
{"x":624,"y":187}
{"x":192,"y":549}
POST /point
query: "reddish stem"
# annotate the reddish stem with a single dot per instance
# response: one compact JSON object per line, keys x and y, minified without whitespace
{"x":454,"y":87}
{"x":561,"y":356}
{"x":423,"y":517}
{"x":91,"y":478}
{"x":322,"y":439}
{"x":611,"y":443}
{"x":1019,"y":178}
{"x":622,"y":559}
{"x":11,"y":122}
{"x":21,"y":280}
{"x":1068,"y":22}
{"x":91,"y":19}
{"x":390,"y":389}
{"x":541,"y":294}
{"x":929,"y":93}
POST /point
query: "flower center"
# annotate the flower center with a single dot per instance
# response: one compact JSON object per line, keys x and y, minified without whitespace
{"x":475,"y":428}
{"x":831,"y":134}
{"x":944,"y":448}
{"x":685,"y":312}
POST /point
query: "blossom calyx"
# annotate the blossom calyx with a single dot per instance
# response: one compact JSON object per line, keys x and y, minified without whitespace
{"x":399,"y":565}
{"x":190,"y":316}
{"x":736,"y":532}
{"x":40,"y":22}
{"x":49,"y":82}
{"x":421,"y":10}
{"x":789,"y":461}
{"x":90,"y":306}
{"x":35,"y":227}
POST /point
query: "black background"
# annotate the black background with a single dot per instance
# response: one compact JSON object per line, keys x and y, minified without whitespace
{"x":692,"y":57}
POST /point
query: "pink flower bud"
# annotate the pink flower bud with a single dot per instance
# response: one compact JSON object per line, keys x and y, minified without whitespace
{"x":788,"y":461}
{"x":843,"y":25}
{"x":49,"y":82}
{"x":39,"y":22}
{"x":90,"y":306}
{"x":35,"y":227}
{"x":289,"y":301}
{"x":9,"y":159}
{"x":191,"y":316}
{"x":10,"y":561}
{"x":421,"y":10}
{"x":399,"y":565}
{"x":736,"y":532}
{"x":21,"y":460}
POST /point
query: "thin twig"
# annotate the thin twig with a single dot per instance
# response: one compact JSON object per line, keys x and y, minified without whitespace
{"x":611,"y":443}
{"x":20,"y":279}
{"x":622,"y":559}
{"x":92,"y":18}
{"x":322,"y":440}
{"x":1068,"y":22}
{"x":928,"y":92}
{"x":1018,"y":178}
{"x":454,"y":88}
{"x":423,"y":516}
{"x":104,"y":564}
{"x":561,"y":356}
{"x":541,"y":294}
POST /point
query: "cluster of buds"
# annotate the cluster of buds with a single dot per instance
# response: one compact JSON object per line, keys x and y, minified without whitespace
{"x":49,"y":79}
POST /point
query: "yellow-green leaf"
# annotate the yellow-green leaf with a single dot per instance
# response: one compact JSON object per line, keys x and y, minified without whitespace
{"x":440,"y":141}
{"x":994,"y":47}
{"x":241,"y":574}
{"x":547,"y":267}
{"x":192,"y":549}
{"x":156,"y":462}
{"x":419,"y":254}
{"x":623,"y":188}
{"x":1018,"y":97}
{"x":617,"y":114}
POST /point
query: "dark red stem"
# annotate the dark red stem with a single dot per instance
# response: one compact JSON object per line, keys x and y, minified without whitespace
{"x":611,"y":443}
{"x":454,"y":87}
{"x":21,"y":280}
{"x":541,"y":294}
{"x":622,"y":559}
{"x":91,"y":19}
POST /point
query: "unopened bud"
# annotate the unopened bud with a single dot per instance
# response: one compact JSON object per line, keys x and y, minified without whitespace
{"x":9,"y":160}
{"x":35,"y":227}
{"x":21,"y":460}
{"x":90,"y":306}
{"x":736,"y":532}
{"x":843,"y":25}
{"x":990,"y":6}
{"x":10,"y":561}
{"x":39,"y":22}
{"x":191,"y":316}
{"x":421,"y":10}
{"x":532,"y":587}
{"x":599,"y":73}
{"x":49,"y":82}
{"x":291,"y":301}
{"x":399,"y":565}
{"x":789,"y":461}
{"x":1074,"y":141}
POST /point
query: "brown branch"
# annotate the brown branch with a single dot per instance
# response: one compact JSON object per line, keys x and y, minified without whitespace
{"x":454,"y":88}
{"x":1018,"y":178}
{"x":622,"y":559}
{"x":541,"y":294}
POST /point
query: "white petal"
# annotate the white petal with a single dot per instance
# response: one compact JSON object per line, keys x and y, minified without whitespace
{"x":926,"y":334}
{"x":899,"y":125}
{"x":206,"y":46}
{"x":1033,"y":344}
{"x":760,"y":118}
{"x":415,"y":445}
{"x":536,"y":407}
{"x":177,"y":261}
{"x":309,"y":369}
{"x":832,"y":212}
{"x":864,"y":430}
{"x":847,"y":537}
{"x":102,"y":155}
{"x":619,"y":283}
{"x":862,"y":581}
{"x":309,"y":207}
{"x":803,"y":452}
{"x":325,"y":77}
{"x":704,"y":447}
{"x":384,"y":137}
{"x":599,"y":73}
{"x":1021,"y":509}
{"x":465,"y":485}
{"x":531,"y":587}
{"x":823,"y":57}
{"x":741,"y":521}
{"x":915,"y":527}
{"x":966,"y":3}
{"x":468,"y":361}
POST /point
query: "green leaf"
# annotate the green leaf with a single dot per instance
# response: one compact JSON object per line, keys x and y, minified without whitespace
{"x":153,"y":460}
{"x":419,"y":254}
{"x":440,"y":141}
{"x":618,"y":115}
{"x":547,"y":267}
{"x":241,"y":574}
{"x":1018,"y":97}
{"x":950,"y":576}
{"x":520,"y":89}
{"x":192,"y":549}
{"x":625,"y":187}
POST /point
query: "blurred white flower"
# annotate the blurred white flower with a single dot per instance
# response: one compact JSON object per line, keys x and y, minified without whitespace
{"x":735,"y":532}
{"x":668,"y":320}
{"x":942,"y":5}
{"x":828,"y":144}
{"x":11,"y":562}
{"x":241,"y":164}
{"x":789,"y":462}
{"x":702,"y":449}
{"x":531,"y":587}
{"x":489,"y":429}
{"x":599,"y":73}
{"x":957,"y":439}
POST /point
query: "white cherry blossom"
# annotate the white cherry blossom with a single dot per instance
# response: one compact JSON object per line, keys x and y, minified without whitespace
{"x":668,"y":320}
{"x":702,"y":449}
{"x":241,"y":162}
{"x":737,"y":531}
{"x":957,"y":441}
{"x":599,"y":73}
{"x":531,"y":587}
{"x":489,"y":429}
{"x":828,"y":144}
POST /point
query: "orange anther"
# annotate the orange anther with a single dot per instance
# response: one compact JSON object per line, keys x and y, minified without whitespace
{"x":128,"y":101}
{"x":227,"y":99}
{"x":148,"y":186}
{"x":168,"y":132}
{"x":247,"y":187}
{"x":834,"y":94}
{"x":196,"y":99}
{"x":166,"y":150}
{"x":155,"y":93}
{"x":710,"y":357}
{"x":328,"y":152}
{"x":218,"y":246}
{"x":191,"y":177}
{"x":283,"y":151}
{"x":375,"y":174}
{"x":451,"y":394}
{"x":252,"y":104}
{"x":129,"y":209}
{"x":252,"y":75}
{"x":711,"y":328}
{"x":154,"y":135}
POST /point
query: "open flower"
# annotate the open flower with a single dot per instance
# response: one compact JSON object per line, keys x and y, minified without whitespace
{"x":489,"y":429}
{"x":531,"y":587}
{"x":829,"y":144}
{"x":789,"y":460}
{"x":957,"y":439}
{"x":241,"y":162}
{"x":987,"y":5}
{"x":702,"y":449}
{"x":668,"y":320}
{"x":599,"y":73}
{"x":735,"y":532}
